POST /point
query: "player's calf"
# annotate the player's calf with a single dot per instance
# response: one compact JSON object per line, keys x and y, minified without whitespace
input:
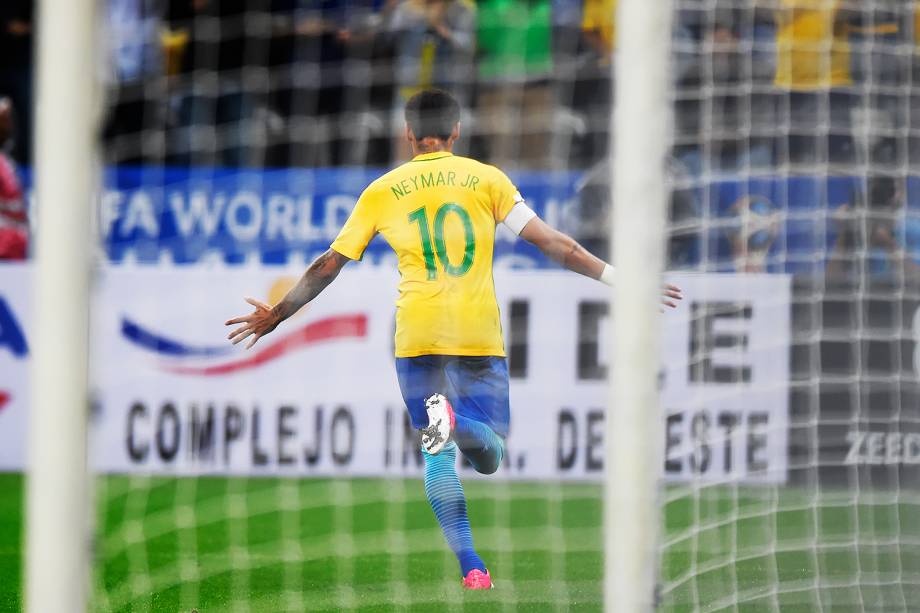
{"x":441,"y":423}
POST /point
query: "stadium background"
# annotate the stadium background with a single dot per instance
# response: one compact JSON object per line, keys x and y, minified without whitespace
{"x":238,"y":136}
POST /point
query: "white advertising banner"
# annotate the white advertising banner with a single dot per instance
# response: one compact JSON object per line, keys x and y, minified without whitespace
{"x":319,"y":396}
{"x":15,"y":301}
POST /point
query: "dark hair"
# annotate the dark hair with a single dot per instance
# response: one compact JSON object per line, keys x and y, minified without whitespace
{"x":432,"y":113}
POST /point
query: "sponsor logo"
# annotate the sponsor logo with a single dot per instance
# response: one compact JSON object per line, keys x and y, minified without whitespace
{"x":176,"y":354}
{"x":876,"y":447}
{"x":4,"y":399}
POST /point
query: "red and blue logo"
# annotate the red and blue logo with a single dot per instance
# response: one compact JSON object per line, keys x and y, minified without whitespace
{"x":217,"y":360}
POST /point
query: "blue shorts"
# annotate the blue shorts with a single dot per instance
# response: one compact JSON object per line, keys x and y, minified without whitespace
{"x":477,"y":387}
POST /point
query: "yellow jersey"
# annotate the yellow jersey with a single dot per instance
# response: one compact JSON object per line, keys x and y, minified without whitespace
{"x":812,"y":46}
{"x":438,"y":212}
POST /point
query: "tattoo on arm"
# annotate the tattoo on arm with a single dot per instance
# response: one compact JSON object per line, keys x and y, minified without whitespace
{"x":318,"y":276}
{"x":582,"y":261}
{"x":562,"y":248}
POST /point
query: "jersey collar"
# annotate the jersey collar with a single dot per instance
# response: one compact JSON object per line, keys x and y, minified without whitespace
{"x":434,"y":155}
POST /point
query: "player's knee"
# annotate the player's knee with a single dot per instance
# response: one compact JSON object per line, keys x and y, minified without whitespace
{"x":489,"y":468}
{"x":490,"y":463}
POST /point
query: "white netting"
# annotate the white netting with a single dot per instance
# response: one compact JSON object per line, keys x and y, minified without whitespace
{"x":237,"y":138}
{"x":795,"y":134}
{"x":238,"y":135}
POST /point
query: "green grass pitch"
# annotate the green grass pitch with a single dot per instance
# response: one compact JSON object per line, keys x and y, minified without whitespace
{"x":269,"y":545}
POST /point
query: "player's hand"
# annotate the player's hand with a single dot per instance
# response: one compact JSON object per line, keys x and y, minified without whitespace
{"x":670,"y":295}
{"x":257,"y":324}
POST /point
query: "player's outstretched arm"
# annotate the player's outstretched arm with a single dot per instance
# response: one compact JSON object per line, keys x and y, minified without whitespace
{"x":565,"y":250}
{"x":266,"y":318}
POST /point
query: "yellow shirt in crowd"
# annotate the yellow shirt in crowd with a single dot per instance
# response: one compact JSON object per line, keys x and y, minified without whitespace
{"x":600,"y":16}
{"x":812,"y":45}
{"x":917,"y":24}
{"x":438,"y":212}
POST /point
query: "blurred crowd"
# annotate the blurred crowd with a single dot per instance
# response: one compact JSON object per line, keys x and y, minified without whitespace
{"x":321,"y":83}
{"x":772,"y":87}
{"x":758,"y":83}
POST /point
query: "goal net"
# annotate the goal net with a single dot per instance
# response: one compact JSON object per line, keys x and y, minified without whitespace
{"x":236,"y":139}
{"x":794,"y":137}
{"x":287,"y":477}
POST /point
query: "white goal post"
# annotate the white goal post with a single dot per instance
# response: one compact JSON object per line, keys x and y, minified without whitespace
{"x":57,"y":534}
{"x":641,"y":132}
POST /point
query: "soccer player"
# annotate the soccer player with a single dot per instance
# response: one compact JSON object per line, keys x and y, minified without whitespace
{"x":439,"y":213}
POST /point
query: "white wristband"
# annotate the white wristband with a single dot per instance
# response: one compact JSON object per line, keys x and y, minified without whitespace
{"x":607,"y":275}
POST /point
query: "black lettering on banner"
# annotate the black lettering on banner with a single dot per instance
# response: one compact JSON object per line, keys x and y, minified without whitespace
{"x":285,"y":432}
{"x":705,"y":337}
{"x":757,"y":442}
{"x":590,"y":315}
{"x":259,"y":457}
{"x":672,"y":440}
{"x":727,"y":421}
{"x":137,"y":454}
{"x":201,"y":445}
{"x":518,"y":340}
{"x":699,"y":432}
{"x":566,"y":455}
{"x":342,"y":416}
{"x":411,"y":442}
{"x":233,"y":429}
{"x":167,"y":448}
{"x":506,"y":460}
{"x":387,"y":436}
{"x":594,"y":441}
{"x":311,"y":456}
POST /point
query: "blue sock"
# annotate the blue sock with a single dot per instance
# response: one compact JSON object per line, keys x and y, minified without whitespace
{"x":479,"y":443}
{"x":445,"y":494}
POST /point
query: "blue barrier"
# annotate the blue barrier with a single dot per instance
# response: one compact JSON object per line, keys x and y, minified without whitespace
{"x":187,"y":216}
{"x":267,"y":215}
{"x":805,"y":207}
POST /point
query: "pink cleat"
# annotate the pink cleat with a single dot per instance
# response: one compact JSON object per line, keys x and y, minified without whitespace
{"x":478,"y":580}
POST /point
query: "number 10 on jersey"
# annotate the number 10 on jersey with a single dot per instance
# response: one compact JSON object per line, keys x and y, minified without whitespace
{"x":439,"y":249}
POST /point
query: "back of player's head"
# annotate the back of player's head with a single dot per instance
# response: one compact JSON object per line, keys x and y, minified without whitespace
{"x":432,"y":113}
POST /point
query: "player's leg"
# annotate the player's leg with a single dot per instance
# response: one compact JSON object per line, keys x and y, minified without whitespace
{"x":418,"y":377}
{"x":478,"y":442}
{"x":445,"y":494}
{"x":478,"y":388}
